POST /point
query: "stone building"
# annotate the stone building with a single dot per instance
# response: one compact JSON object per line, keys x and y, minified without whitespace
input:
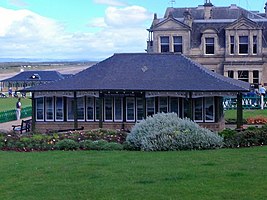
{"x":228,"y":40}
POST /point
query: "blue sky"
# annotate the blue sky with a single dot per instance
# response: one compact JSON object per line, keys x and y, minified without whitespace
{"x":84,"y":29}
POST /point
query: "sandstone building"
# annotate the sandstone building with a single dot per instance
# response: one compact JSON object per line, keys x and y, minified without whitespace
{"x":228,"y":40}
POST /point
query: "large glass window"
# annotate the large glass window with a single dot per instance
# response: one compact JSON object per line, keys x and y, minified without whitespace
{"x":59,"y":109}
{"x":130,"y":107}
{"x":118,"y":103}
{"x":108,"y":109}
{"x":164,"y":44}
{"x":90,"y":108}
{"x":209,"y":44}
{"x":174,"y":105}
{"x":243,"y":75}
{"x":255,"y":46}
{"x":198,"y":109}
{"x":232,"y":44}
{"x":97,"y":108}
{"x":243,"y":44}
{"x":49,"y":109}
{"x":139,"y":109}
{"x":80,"y":107}
{"x":209,"y":109}
{"x":39,"y":109}
{"x":178,"y":44}
{"x":163,"y":104}
{"x":186,"y":110}
{"x":70,"y":109}
{"x":150,"y":106}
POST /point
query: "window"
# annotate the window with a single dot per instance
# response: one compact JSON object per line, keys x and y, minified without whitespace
{"x":174,"y":105}
{"x":255,"y":45}
{"x":177,"y":44}
{"x":243,"y":44}
{"x":130,"y":107}
{"x":70,"y":107}
{"x":186,"y":110}
{"x":108,"y":109}
{"x":97,"y":108}
{"x":209,"y":45}
{"x":39,"y":109}
{"x":165,"y":44}
{"x":150,"y":106}
{"x":256,"y":77}
{"x":49,"y":109}
{"x":139,"y":109}
{"x":198,"y":110}
{"x":232,"y":44}
{"x":90,"y":108}
{"x":80,"y":107}
{"x":231,"y":74}
{"x":59,"y":109}
{"x":209,"y":109}
{"x":243,"y":76}
{"x":163,"y":104}
{"x":118,"y":103}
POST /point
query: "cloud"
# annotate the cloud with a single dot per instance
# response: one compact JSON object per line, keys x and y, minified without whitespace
{"x":25,"y":34}
{"x":19,"y":3}
{"x":110,"y":2}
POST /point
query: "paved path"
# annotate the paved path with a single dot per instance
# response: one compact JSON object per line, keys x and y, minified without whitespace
{"x":7,"y":126}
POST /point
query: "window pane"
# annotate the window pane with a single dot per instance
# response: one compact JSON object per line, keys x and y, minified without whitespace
{"x":254,"y":44}
{"x":70,"y":108}
{"x":80,"y":106}
{"x":163,"y":104}
{"x":243,"y":44}
{"x":140,"y":108}
{"x":49,"y":108}
{"x":256,"y":77}
{"x":209,"y":45}
{"x":90,"y":108}
{"x":150,"y":106}
{"x":232,"y":45}
{"x":231,"y":74}
{"x":108,"y":108}
{"x":198,"y":109}
{"x":174,"y":105}
{"x":97,"y":108}
{"x":165,"y":44}
{"x":118,"y":108}
{"x":39,"y":109}
{"x":130,"y":107}
{"x":209,"y":109}
{"x":59,"y":108}
{"x":177,"y":44}
{"x":243,"y":75}
{"x":186,"y":110}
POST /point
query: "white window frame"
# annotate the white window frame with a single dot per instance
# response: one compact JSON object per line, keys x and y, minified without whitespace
{"x":115,"y":108}
{"x":177,"y":44}
{"x":164,"y":44}
{"x":92,"y":99}
{"x":42,"y":108}
{"x":69,"y":99}
{"x":133,"y":100}
{"x":239,"y":43}
{"x":83,"y":106}
{"x":62,"y":108}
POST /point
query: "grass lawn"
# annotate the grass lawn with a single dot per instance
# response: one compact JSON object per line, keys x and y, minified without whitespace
{"x":10,"y":103}
{"x":231,"y":114}
{"x":215,"y":174}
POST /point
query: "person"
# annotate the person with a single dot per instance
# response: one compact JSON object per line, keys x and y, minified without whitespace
{"x":10,"y":92}
{"x":18,"y":109}
{"x":262,"y":92}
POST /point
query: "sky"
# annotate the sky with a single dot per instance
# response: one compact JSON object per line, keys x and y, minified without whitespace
{"x":85,"y":29}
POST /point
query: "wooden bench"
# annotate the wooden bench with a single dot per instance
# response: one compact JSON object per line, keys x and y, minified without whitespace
{"x":24,"y":126}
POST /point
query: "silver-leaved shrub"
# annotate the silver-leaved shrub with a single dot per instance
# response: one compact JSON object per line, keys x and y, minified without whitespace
{"x":166,"y":131}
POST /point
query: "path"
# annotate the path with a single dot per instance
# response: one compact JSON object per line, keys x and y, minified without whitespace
{"x":7,"y":126}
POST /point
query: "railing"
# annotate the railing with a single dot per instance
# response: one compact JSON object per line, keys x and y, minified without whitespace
{"x":10,"y":115}
{"x":247,"y":102}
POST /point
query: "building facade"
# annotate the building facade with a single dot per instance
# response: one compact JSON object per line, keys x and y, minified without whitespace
{"x":126,"y":88}
{"x":228,"y":40}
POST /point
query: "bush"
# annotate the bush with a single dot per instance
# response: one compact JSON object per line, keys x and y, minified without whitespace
{"x":164,"y":132}
{"x":112,"y":146}
{"x":67,"y":144}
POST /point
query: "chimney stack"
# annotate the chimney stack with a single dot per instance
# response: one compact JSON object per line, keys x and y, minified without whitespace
{"x":208,"y":10}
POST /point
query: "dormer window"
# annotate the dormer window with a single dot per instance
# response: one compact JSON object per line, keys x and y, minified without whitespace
{"x":178,"y":44}
{"x":164,"y":44}
{"x":232,"y":44}
{"x":209,"y":45}
{"x":35,"y":76}
{"x":243,"y":44}
{"x":255,"y":46}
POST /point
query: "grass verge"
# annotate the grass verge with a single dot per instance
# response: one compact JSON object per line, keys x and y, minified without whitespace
{"x":10,"y":103}
{"x":218,"y":174}
{"x":231,"y":114}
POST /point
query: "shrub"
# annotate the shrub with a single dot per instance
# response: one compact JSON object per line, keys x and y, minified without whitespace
{"x":112,"y":146}
{"x":164,"y":132}
{"x":67,"y":144}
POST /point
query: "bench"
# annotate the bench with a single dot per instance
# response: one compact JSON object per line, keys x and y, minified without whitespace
{"x":24,"y":126}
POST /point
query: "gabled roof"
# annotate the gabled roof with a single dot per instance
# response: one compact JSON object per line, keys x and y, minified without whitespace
{"x":146,"y":72}
{"x":43,"y":76}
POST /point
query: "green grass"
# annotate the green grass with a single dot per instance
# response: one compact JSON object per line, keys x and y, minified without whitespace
{"x":10,"y":103}
{"x":231,"y":114}
{"x":217,"y":174}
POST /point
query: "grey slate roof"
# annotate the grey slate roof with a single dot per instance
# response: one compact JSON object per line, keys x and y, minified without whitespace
{"x":146,"y":72}
{"x":45,"y":76}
